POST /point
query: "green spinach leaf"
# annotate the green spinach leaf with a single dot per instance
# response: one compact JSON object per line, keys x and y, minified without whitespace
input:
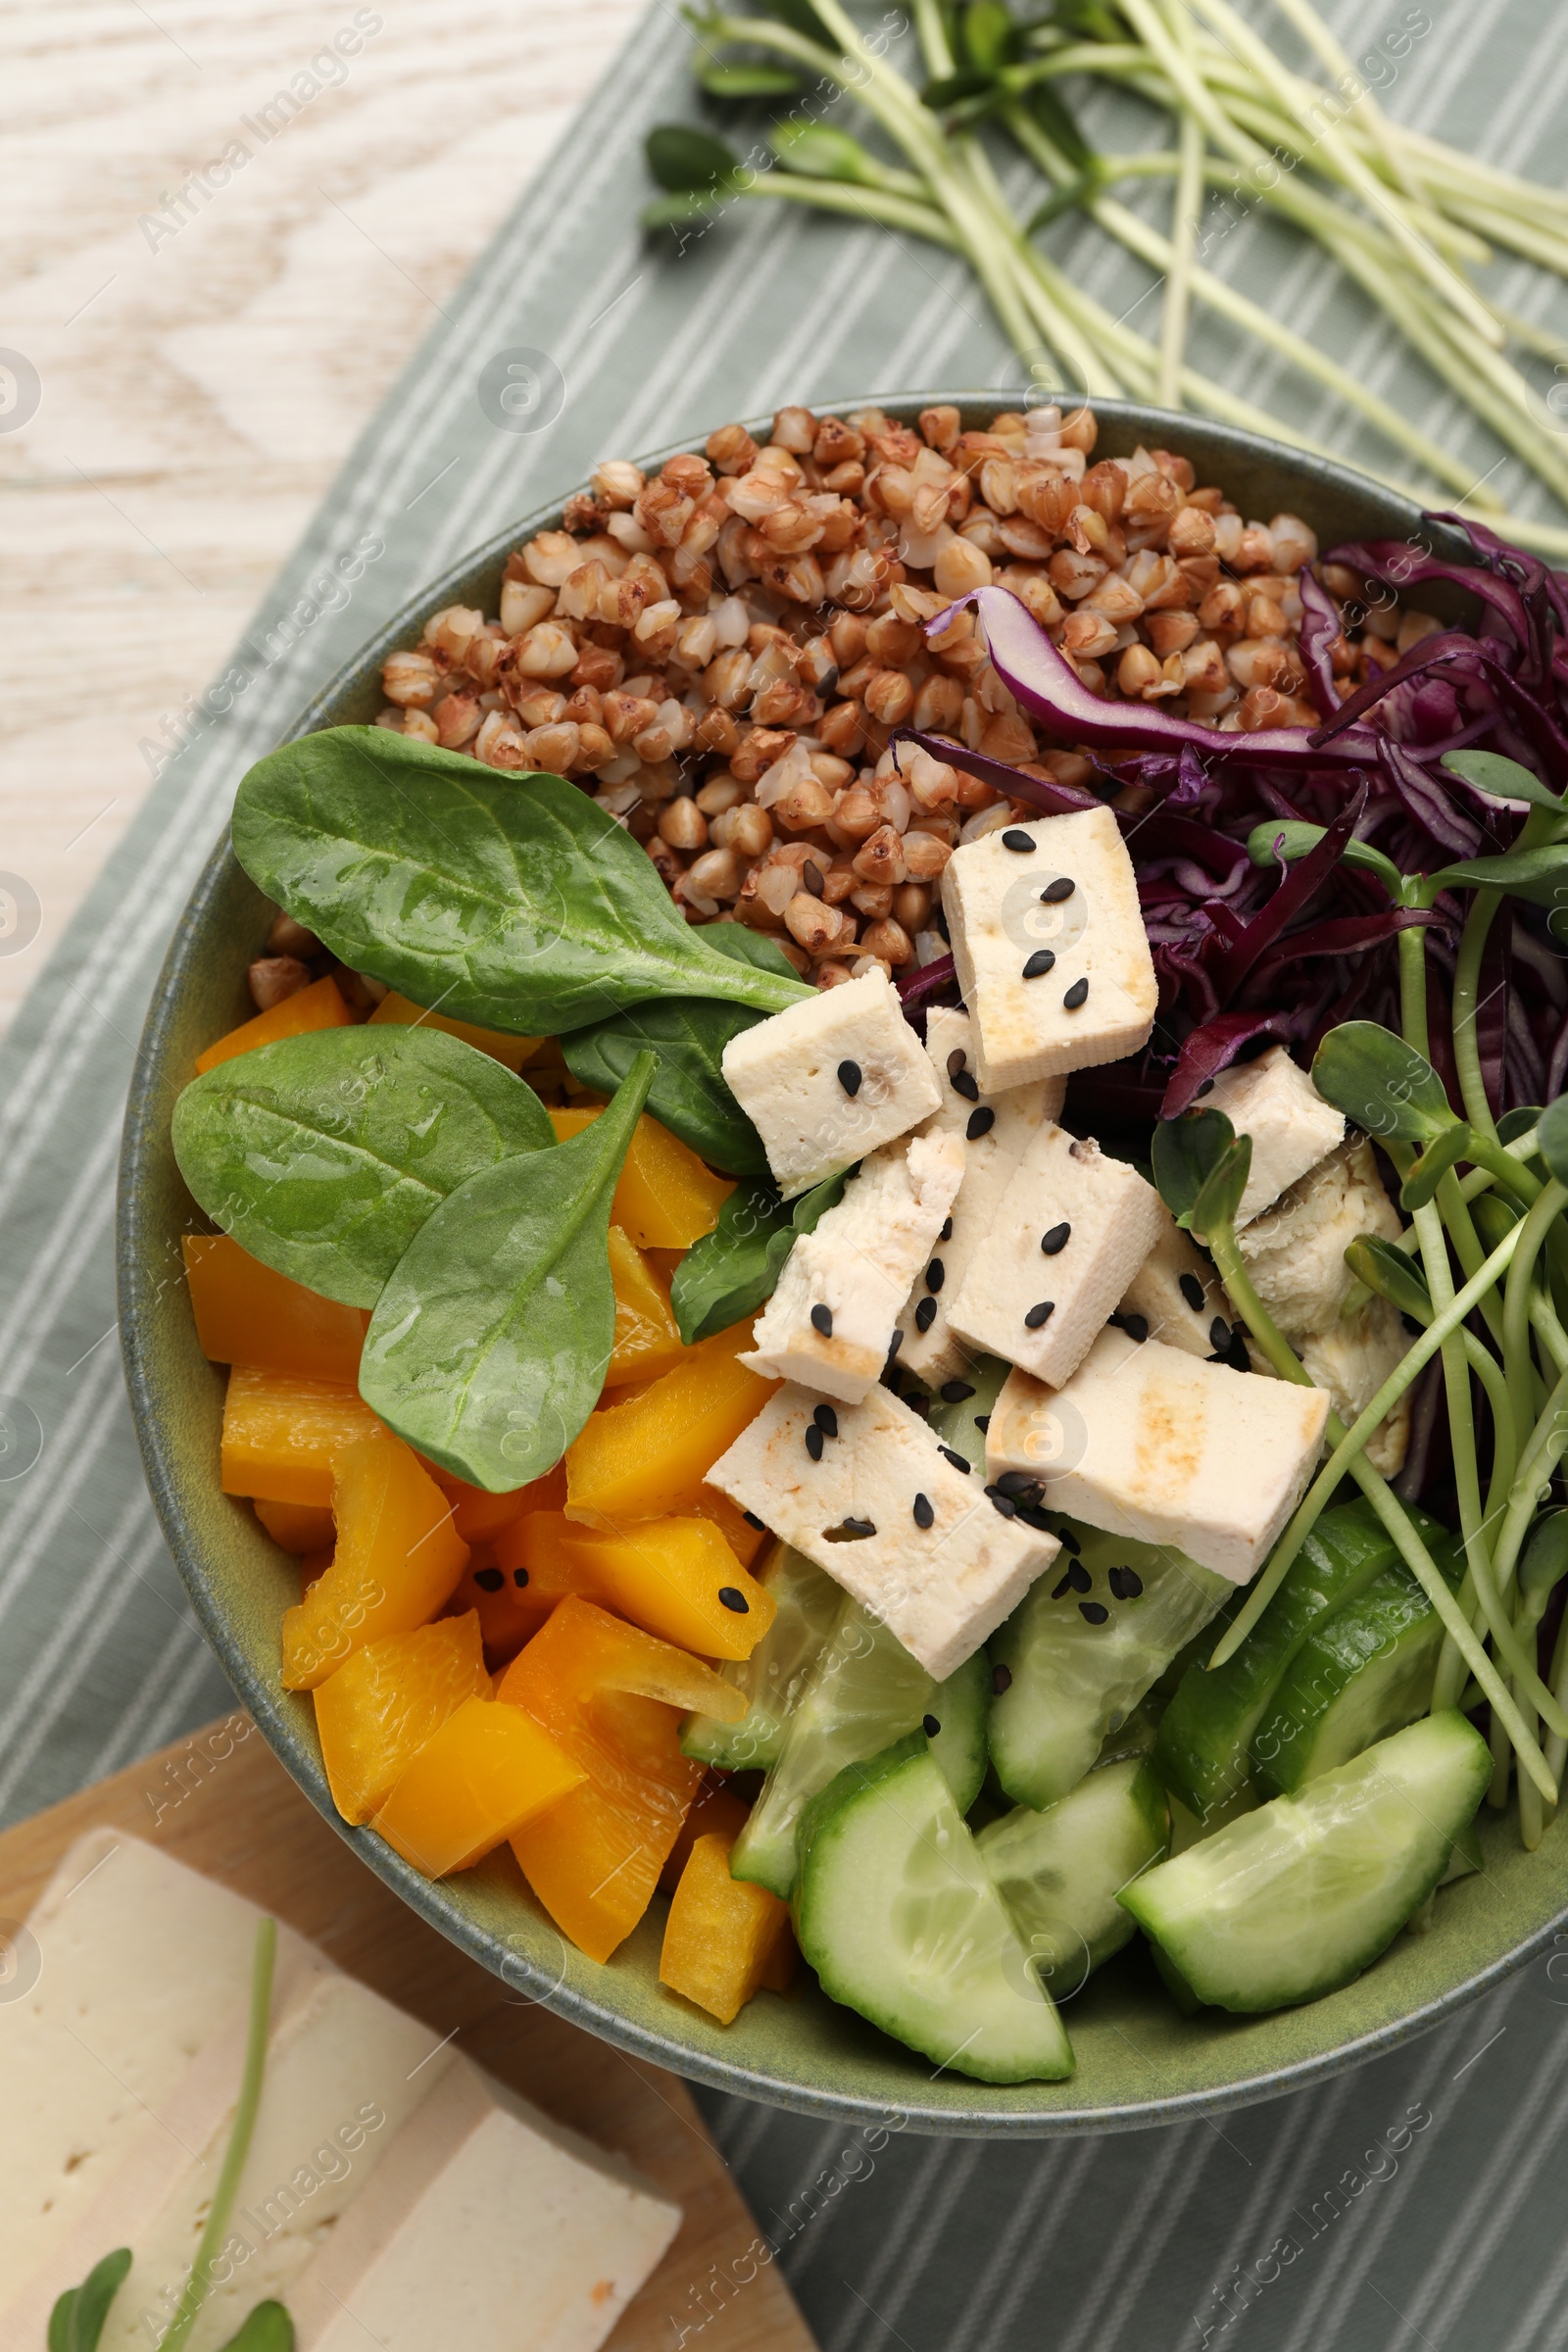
{"x":323,"y":1155}
{"x":732,"y":1270}
{"x":513,"y":901}
{"x":76,"y":2321}
{"x":688,"y":1095}
{"x":488,"y":1346}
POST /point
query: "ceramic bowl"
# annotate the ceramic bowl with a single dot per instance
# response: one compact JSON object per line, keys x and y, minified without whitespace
{"x":1138,"y":2061}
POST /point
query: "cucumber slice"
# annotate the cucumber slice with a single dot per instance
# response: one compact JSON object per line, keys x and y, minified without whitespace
{"x":1067,"y":1682}
{"x":1364,"y":1674}
{"x":1059,"y":1872}
{"x":1294,"y":1901}
{"x":773,"y":1678}
{"x":863,"y":1692}
{"x":956,"y":1421}
{"x":1203,"y":1750}
{"x":898,"y":1917}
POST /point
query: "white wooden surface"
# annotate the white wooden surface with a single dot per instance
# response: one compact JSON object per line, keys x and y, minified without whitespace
{"x":199,"y":388}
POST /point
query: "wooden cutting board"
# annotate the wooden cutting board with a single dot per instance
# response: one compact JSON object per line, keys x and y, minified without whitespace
{"x":242,"y":1821}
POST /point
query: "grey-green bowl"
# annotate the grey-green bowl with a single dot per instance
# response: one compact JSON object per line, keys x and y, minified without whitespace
{"x":1138,"y":2061}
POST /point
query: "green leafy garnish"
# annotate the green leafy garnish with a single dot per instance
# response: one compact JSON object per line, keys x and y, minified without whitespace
{"x":488,"y":1347}
{"x":1187,"y":1152}
{"x":1383,"y":1084}
{"x":267,"y":2329}
{"x":731,"y":1271}
{"x":686,"y":160}
{"x":323,"y":1155}
{"x":76,"y":2321}
{"x":1504,"y":779}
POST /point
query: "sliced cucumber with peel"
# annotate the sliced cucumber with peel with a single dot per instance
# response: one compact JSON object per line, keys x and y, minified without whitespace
{"x":1059,"y":1872}
{"x":894,"y":1911}
{"x":1068,"y":1681}
{"x":1364,"y":1674}
{"x":1203,"y":1753}
{"x":775,"y":1677}
{"x":1297,"y":1899}
{"x":863,"y":1692}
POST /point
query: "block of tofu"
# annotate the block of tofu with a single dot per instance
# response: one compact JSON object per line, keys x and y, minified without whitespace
{"x":830,"y":1079}
{"x":1274,"y":1101}
{"x":1068,"y":1235}
{"x":485,"y":2225}
{"x":1049,"y":941}
{"x":140,"y":1962}
{"x":1147,"y":1441}
{"x":830,"y":1322}
{"x":344,"y":2072}
{"x":876,"y":1503}
{"x":1176,"y":1298}
{"x":994,"y":1131}
{"x":1294,"y":1254}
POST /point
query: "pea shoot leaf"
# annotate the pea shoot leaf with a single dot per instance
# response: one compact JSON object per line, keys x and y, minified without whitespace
{"x":1383,"y":1084}
{"x":78,"y":2318}
{"x":681,"y":158}
{"x":1187,"y":1152}
{"x":1502,"y":779}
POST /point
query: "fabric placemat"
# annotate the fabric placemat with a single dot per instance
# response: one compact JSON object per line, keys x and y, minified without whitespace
{"x":1414,"y":2201}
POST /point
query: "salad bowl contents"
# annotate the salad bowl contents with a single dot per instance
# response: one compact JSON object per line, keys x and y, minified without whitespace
{"x":887,"y":1224}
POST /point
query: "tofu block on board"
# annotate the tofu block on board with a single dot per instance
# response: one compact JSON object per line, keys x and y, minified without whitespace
{"x":829,"y":1324}
{"x":1294,"y":1254}
{"x":1068,"y":1235}
{"x":1176,"y":1298}
{"x":139,"y":1962}
{"x":829,"y":1079}
{"x":344,"y":2072}
{"x":876,"y":1503}
{"x":1049,"y":941}
{"x":485,"y":2225}
{"x":994,"y":1132}
{"x":1274,"y":1101}
{"x":1145,"y":1441}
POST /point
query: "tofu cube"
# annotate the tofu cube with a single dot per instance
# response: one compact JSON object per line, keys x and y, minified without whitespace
{"x":1176,"y":1298}
{"x":992,"y":1131}
{"x":874,"y":1502}
{"x":1274,"y":1101}
{"x":1049,"y":941}
{"x":829,"y":1324}
{"x":488,"y":2226}
{"x":830,"y":1079}
{"x":1294,"y":1254}
{"x":1070,"y":1232}
{"x":1145,"y":1441}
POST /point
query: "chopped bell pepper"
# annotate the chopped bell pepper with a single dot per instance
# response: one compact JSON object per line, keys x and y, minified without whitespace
{"x":511,"y":1608}
{"x":647,"y":1342}
{"x":479,"y":1516}
{"x":486,"y":1771}
{"x":402,"y":1013}
{"x":322,"y":1006}
{"x":647,"y":1458}
{"x":283,"y":1435}
{"x":384,"y":1702}
{"x":612,"y":1698}
{"x":666,"y":1197}
{"x":398,"y":1560}
{"x":297,"y":1527}
{"x":246,"y":1314}
{"x":720,"y":1935}
{"x":676,"y":1578}
{"x":718,"y":1809}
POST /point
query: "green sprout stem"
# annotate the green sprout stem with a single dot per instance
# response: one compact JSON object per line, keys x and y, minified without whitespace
{"x":262,"y":1963}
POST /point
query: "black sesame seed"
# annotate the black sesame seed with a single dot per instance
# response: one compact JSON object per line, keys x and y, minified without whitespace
{"x":1135,"y":1326}
{"x":1001,"y":1680}
{"x":1055,"y":892}
{"x":1095,"y":1612}
{"x":1018,"y":1484}
{"x":957,"y":1060}
{"x":822,"y":1321}
{"x":924,"y":1515}
{"x":1069,"y":1541}
{"x":489,"y":1579}
{"x":926,"y":1314}
{"x":1056,"y":1240}
{"x":1191,"y":1289}
{"x":1219,"y":1335}
{"x":752,"y":1520}
{"x":1076,"y":995}
{"x":1125,"y":1582}
{"x":895,"y":1344}
{"x":1031,"y":1516}
{"x":734,"y":1598}
{"x":1078,"y":1576}
{"x":1003,"y":1502}
{"x":813,"y":1441}
{"x":979,"y":1122}
{"x":1040,"y":1314}
{"x":1208,"y":1088}
{"x":1059,"y":1591}
{"x":967,"y":1084}
{"x":982,"y":1422}
{"x":957,"y":1459}
{"x":1037,"y":965}
{"x":1015,"y":838}
{"x":849,"y":1077}
{"x":826,"y":1419}
{"x":930,"y":1725}
{"x":946,"y":1235}
{"x":519,"y":1577}
{"x":852,"y":1531}
{"x":953,"y":1391}
{"x":935,"y":1274}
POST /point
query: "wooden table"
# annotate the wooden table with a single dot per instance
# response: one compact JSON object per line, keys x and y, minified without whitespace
{"x":199,"y":388}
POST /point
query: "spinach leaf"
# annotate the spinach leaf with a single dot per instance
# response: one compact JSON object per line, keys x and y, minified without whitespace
{"x":688,"y":1095}
{"x":269,"y":2328}
{"x":488,"y":1347}
{"x":323,"y":1155}
{"x":513,"y":901}
{"x":732,"y":1270}
{"x":78,"y":2318}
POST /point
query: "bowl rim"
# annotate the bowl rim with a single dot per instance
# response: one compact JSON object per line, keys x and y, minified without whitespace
{"x":986,"y":2115}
